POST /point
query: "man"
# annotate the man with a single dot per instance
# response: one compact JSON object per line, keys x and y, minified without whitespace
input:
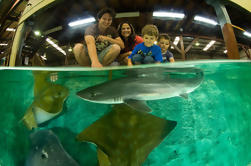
{"x":102,"y":42}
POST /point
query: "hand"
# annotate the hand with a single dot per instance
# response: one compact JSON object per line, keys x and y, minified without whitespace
{"x":97,"y":64}
{"x":129,"y":63}
{"x":101,"y":38}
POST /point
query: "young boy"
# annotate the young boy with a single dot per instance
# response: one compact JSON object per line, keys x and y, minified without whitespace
{"x":146,"y":52}
{"x":164,"y":43}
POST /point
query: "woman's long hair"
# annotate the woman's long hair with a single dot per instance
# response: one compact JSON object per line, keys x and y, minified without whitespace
{"x":131,"y":38}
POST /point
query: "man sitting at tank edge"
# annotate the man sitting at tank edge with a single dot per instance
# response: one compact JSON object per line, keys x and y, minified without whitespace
{"x":102,"y":43}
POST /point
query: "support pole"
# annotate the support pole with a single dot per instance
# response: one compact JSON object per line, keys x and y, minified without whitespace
{"x":227,"y":29}
{"x":17,"y":43}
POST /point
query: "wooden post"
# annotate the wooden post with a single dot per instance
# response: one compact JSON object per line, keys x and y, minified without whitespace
{"x":227,"y":29}
{"x":230,"y":41}
{"x":182,"y":48}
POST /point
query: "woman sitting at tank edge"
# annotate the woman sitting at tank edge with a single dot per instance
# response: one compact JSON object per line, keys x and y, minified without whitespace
{"x":130,"y":39}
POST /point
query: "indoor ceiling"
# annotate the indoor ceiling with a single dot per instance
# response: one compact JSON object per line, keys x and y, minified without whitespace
{"x":66,"y":11}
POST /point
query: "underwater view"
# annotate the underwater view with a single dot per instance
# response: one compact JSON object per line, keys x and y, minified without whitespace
{"x":194,"y":113}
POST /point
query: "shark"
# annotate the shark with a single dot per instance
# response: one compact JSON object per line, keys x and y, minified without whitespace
{"x":126,"y":136}
{"x":48,"y":101}
{"x":47,"y":150}
{"x":143,"y":85}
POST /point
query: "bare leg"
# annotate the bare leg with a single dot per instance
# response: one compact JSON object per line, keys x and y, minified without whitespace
{"x":111,"y":55}
{"x":80,"y":55}
{"x":125,"y":61}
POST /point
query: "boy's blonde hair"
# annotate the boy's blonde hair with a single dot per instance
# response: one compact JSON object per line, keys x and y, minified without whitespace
{"x":150,"y":30}
{"x":164,"y":36}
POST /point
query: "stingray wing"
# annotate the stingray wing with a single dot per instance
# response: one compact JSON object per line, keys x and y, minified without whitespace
{"x":127,"y":136}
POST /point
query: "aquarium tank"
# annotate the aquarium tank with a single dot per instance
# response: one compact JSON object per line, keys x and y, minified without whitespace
{"x":207,"y":122}
{"x":125,"y":83}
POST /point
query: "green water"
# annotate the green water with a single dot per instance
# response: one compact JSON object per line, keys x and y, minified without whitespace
{"x":213,"y":123}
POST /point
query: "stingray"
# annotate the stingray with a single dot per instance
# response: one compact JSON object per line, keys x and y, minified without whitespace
{"x":125,"y":136}
{"x":48,"y":100}
{"x":46,"y":150}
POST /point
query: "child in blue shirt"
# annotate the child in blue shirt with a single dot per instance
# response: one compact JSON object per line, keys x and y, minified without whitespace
{"x":146,"y":52}
{"x":164,"y":43}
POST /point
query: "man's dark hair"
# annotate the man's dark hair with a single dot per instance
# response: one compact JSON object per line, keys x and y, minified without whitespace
{"x":106,"y":10}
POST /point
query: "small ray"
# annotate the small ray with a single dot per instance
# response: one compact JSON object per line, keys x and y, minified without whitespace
{"x":48,"y":101}
{"x":46,"y":150}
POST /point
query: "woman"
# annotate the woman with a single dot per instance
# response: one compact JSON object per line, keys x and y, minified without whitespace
{"x":130,"y":39}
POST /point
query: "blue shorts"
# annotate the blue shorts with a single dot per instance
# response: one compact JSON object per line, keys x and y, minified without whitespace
{"x":139,"y":59}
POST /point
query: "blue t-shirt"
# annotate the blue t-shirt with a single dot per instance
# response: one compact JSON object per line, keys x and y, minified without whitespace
{"x":167,"y":56}
{"x":154,"y":51}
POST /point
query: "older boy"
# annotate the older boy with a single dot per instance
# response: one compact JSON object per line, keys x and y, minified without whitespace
{"x":146,"y":52}
{"x":164,"y":43}
{"x":102,"y":42}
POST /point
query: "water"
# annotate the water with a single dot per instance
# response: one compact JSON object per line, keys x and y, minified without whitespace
{"x":213,"y":124}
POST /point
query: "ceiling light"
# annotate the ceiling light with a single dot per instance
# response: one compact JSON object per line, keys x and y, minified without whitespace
{"x":127,"y":14}
{"x":82,"y":22}
{"x":70,"y":49}
{"x":225,"y":51}
{"x":209,"y":45}
{"x":11,"y":29}
{"x":44,"y":57}
{"x":169,"y":14}
{"x":172,"y":47}
{"x":176,"y":40}
{"x":37,"y":33}
{"x":56,"y":46}
{"x":197,"y":43}
{"x":3,"y":44}
{"x":205,"y":20}
{"x":247,"y":34}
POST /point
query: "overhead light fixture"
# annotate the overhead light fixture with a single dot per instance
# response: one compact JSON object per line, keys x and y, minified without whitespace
{"x":209,"y":45}
{"x":37,"y":33}
{"x":225,"y":51}
{"x":10,"y":29}
{"x":44,"y":57}
{"x":172,"y":47}
{"x":70,"y":49}
{"x":176,"y":40}
{"x":247,"y":34}
{"x":205,"y":20}
{"x":197,"y":44}
{"x":127,"y":14}
{"x":82,"y":22}
{"x":55,"y":46}
{"x":169,"y":14}
{"x":3,"y":44}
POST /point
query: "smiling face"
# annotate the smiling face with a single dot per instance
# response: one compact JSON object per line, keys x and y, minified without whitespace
{"x":126,"y":30}
{"x":149,"y":40}
{"x":105,"y":21}
{"x":164,"y":44}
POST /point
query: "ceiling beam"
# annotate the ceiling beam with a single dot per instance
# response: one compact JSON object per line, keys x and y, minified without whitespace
{"x":191,"y":44}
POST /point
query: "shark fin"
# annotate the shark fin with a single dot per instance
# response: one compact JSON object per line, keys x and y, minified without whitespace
{"x":184,"y":95}
{"x":138,"y":105}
